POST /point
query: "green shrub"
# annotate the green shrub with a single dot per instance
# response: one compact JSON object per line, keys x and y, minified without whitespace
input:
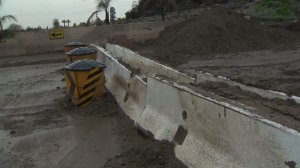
{"x":8,"y":34}
{"x":275,"y":10}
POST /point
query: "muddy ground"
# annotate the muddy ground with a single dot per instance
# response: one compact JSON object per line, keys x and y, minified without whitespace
{"x":47,"y":58}
{"x":39,"y":127}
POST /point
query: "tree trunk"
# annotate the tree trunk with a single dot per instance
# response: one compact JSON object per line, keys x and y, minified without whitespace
{"x":106,"y":17}
{"x":1,"y":29}
{"x":162,"y":13}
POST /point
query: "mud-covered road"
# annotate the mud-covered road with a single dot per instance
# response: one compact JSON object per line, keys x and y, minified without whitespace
{"x":39,"y":127}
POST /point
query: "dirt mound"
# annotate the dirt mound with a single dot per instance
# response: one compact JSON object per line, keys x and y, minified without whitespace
{"x":220,"y":31}
{"x":295,"y":27}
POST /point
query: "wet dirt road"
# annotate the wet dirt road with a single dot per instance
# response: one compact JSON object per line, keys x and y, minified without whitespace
{"x":36,"y":131}
{"x":39,"y":127}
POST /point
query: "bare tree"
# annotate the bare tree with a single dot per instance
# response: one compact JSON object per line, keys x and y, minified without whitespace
{"x":15,"y":27}
{"x":55,"y":23}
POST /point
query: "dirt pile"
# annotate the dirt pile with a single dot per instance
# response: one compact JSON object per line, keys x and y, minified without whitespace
{"x":295,"y":27}
{"x":220,"y":31}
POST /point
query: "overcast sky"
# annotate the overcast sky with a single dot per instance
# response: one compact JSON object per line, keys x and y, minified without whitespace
{"x":41,"y":12}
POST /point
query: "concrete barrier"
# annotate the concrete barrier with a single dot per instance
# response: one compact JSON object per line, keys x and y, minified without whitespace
{"x":207,"y":132}
{"x":206,"y":77}
{"x":146,"y":65}
{"x":150,"y":67}
{"x":219,"y":134}
{"x":129,"y":90}
{"x":33,"y":42}
{"x":117,"y":76}
{"x":136,"y":99}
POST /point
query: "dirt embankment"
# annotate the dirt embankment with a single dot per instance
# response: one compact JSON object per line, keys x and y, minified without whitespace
{"x":225,"y":43}
{"x":216,"y":31}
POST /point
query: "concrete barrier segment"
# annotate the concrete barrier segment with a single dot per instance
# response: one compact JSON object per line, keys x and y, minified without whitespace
{"x":207,"y":77}
{"x":147,"y":66}
{"x":117,"y":76}
{"x":129,"y":90}
{"x":219,"y":134}
{"x":207,"y":132}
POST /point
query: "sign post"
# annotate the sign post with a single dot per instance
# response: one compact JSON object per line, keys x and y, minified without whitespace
{"x":56,"y":34}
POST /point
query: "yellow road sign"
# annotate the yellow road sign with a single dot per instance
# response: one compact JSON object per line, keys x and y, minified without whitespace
{"x":56,"y":34}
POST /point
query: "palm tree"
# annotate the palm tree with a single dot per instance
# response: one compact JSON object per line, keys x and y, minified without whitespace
{"x":64,"y":22}
{"x":4,"y":19}
{"x":92,"y":15}
{"x":68,"y":21}
{"x":104,"y":5}
{"x":163,"y":5}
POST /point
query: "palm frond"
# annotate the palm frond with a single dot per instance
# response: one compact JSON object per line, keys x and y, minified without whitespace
{"x":103,"y":4}
{"x":4,"y":19}
{"x":7,"y":18}
{"x":93,"y":14}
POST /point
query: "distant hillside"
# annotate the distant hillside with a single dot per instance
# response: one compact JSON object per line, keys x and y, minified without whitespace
{"x":265,"y":9}
{"x":153,"y":7}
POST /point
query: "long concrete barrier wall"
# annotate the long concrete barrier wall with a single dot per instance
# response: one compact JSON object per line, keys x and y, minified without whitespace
{"x":206,"y":77}
{"x":147,"y":66}
{"x":33,"y":42}
{"x":207,"y":132}
{"x":151,"y":67}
